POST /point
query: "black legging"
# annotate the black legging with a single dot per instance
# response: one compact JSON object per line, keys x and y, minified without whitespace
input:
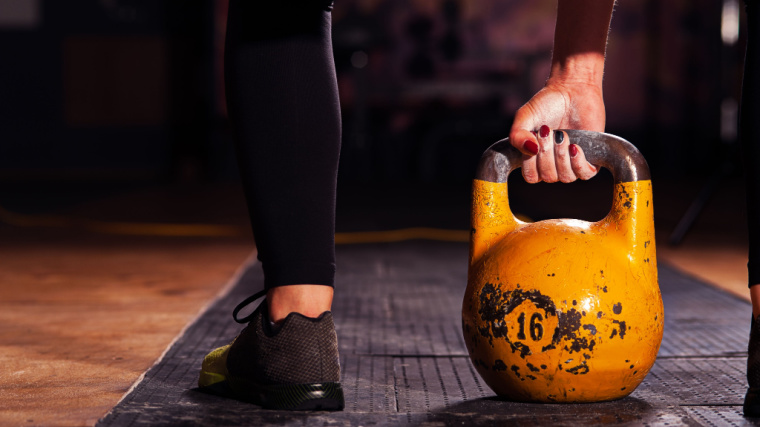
{"x":282,"y":97}
{"x":750,"y":138}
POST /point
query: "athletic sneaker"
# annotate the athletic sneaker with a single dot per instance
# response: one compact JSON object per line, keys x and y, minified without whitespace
{"x":290,"y":366}
{"x":752,"y":399}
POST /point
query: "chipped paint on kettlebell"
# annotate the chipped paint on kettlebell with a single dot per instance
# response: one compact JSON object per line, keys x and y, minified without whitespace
{"x":572,"y":308}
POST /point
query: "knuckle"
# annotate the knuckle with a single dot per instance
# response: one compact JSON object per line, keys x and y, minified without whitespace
{"x":530,"y":176}
{"x":577,"y":166}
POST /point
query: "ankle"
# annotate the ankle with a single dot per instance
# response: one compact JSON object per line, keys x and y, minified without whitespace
{"x":306,"y":299}
{"x":754,"y":293}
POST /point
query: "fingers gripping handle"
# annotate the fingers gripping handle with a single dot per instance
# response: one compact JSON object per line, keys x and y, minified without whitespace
{"x":621,"y":157}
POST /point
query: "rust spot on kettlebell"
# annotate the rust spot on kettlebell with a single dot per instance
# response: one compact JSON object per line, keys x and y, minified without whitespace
{"x":569,"y":324}
{"x":617,"y":308}
{"x":516,"y":370}
{"x":579,"y":370}
{"x":499,"y":365}
{"x":623,"y":327}
{"x":628,"y":199}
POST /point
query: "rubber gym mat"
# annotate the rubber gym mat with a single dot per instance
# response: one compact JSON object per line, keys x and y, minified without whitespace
{"x":397,"y":310}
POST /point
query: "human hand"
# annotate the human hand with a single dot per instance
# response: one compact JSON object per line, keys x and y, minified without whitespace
{"x":549,"y":155}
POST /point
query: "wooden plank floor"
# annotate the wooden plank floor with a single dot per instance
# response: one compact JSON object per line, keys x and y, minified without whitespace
{"x":84,"y":316}
{"x":714,"y":260}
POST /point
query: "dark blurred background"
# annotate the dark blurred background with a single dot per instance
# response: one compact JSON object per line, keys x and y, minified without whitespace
{"x":104,"y":97}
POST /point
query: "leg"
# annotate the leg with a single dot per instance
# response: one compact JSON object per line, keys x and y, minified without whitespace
{"x":750,"y":110}
{"x":283,"y":104}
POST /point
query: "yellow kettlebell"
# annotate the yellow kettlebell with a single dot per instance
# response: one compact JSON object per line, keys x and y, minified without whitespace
{"x":563,"y":310}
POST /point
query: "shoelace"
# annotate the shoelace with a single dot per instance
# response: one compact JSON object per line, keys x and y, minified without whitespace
{"x":244,"y":303}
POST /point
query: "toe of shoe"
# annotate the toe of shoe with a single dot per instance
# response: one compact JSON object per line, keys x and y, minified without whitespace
{"x":214,"y":367}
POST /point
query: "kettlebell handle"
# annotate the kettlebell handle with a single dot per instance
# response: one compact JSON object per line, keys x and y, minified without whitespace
{"x":621,"y":157}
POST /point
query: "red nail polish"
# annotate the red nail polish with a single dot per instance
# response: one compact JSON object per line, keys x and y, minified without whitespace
{"x":573,"y":149}
{"x":544,"y":131}
{"x":530,"y":146}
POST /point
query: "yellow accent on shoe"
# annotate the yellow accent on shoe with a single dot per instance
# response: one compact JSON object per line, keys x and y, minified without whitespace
{"x":214,"y":367}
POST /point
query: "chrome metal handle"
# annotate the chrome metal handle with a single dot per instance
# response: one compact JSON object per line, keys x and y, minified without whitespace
{"x":621,"y":157}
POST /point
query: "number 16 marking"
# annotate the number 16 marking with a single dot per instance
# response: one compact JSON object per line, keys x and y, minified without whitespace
{"x":536,"y":329}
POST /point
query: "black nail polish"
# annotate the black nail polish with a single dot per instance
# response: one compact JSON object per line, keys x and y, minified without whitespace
{"x":558,"y":137}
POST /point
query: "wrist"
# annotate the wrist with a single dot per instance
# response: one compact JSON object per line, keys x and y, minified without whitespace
{"x":581,"y":68}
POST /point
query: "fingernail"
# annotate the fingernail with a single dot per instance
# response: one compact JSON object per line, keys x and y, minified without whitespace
{"x":530,"y":146}
{"x":544,"y":131}
{"x":573,"y":149}
{"x":558,"y":137}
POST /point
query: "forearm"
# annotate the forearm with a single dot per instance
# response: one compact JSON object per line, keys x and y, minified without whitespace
{"x":580,"y":41}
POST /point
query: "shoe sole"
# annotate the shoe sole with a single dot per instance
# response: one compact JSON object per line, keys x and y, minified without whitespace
{"x":291,"y":397}
{"x":215,"y":379}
